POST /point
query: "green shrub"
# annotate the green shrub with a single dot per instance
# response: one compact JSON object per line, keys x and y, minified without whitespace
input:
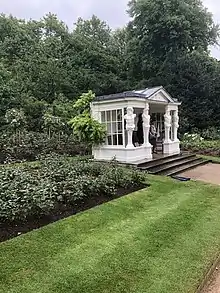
{"x":36,"y":190}
{"x":211,"y":133}
{"x":32,"y":145}
{"x":197,"y":144}
{"x":22,"y":194}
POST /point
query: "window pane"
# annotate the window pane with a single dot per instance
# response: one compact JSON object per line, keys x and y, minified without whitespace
{"x":114,"y":115}
{"x":103,"y":116}
{"x":105,"y":126}
{"x":108,"y":115}
{"x":120,"y":139}
{"x":109,"y":140}
{"x":114,"y":127}
{"x":109,"y":128}
{"x":119,"y":115}
{"x":115,"y":139}
{"x":119,"y":127}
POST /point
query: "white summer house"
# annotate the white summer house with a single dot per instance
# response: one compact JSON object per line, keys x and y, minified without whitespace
{"x":121,"y":112}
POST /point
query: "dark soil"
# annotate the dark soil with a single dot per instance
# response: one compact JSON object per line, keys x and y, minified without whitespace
{"x":14,"y":229}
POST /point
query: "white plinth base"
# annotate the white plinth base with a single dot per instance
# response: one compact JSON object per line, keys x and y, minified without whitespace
{"x":171,"y":148}
{"x":122,"y":154}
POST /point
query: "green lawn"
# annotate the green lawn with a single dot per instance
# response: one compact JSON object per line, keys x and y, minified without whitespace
{"x":213,"y":159}
{"x":161,"y":239}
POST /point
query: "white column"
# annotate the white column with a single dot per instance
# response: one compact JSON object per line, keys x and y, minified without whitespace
{"x":175,"y":125}
{"x":130,"y":126}
{"x":167,"y":124}
{"x":146,"y":125}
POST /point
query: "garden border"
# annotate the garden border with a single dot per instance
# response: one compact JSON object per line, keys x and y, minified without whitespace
{"x":207,"y":276}
{"x":16,"y":228}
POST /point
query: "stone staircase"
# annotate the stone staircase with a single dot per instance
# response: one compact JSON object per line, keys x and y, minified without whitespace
{"x":172,"y":165}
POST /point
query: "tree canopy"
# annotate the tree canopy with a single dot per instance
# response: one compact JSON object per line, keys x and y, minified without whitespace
{"x":168,"y":44}
{"x":45,"y":66}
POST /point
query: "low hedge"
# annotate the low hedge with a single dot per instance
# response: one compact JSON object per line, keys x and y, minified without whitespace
{"x":38,"y":189}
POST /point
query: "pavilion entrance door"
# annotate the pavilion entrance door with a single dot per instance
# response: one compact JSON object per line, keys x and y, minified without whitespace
{"x":159,"y":124}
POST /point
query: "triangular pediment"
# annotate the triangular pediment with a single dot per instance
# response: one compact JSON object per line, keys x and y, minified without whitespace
{"x":161,"y":96}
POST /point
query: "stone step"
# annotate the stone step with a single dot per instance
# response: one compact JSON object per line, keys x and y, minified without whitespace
{"x":182,"y":168}
{"x":164,"y":160}
{"x":172,"y":164}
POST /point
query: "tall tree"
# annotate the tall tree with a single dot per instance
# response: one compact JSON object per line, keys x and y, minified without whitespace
{"x":163,"y":29}
{"x":118,"y":45}
{"x":168,"y":44}
{"x":98,"y":67}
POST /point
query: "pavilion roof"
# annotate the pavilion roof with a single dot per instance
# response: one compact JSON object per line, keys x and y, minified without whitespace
{"x":144,"y":93}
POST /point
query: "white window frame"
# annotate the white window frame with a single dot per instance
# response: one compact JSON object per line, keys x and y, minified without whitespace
{"x":111,"y":121}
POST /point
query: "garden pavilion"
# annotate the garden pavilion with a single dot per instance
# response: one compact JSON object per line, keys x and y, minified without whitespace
{"x":120,"y":113}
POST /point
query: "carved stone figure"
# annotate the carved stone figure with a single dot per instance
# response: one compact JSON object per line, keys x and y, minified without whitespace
{"x":130,"y":126}
{"x":176,"y":125}
{"x":167,"y":124}
{"x":176,"y":120}
{"x":146,"y":117}
{"x":129,"y":117}
{"x":167,"y":119}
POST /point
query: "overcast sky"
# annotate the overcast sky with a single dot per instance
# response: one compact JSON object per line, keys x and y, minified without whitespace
{"x":112,"y":11}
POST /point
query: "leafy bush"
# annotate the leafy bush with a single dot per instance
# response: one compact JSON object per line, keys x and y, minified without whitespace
{"x":32,"y":145}
{"x":35,"y":190}
{"x":23,"y":194}
{"x":197,"y":144}
{"x":85,"y":127}
{"x":192,"y":138}
{"x":211,"y":133}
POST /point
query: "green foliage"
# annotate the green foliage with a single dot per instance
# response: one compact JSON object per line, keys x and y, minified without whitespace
{"x":168,"y":44}
{"x":34,"y":110}
{"x":63,"y":108}
{"x":15,"y":118}
{"x":44,"y":66}
{"x":86,"y":128}
{"x":193,"y":79}
{"x":23,"y":195}
{"x":44,"y":60}
{"x":211,"y":133}
{"x":82,"y":105}
{"x":52,"y":124}
{"x":32,"y":145}
{"x":35,"y":190}
{"x":170,"y":27}
{"x":197,"y":144}
{"x":16,"y":123}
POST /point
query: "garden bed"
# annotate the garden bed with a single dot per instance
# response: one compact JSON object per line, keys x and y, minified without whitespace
{"x":34,"y":195}
{"x":13,"y":229}
{"x":196,"y":144}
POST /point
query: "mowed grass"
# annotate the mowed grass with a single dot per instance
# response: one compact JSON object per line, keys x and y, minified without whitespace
{"x":212,"y":158}
{"x":161,"y":239}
